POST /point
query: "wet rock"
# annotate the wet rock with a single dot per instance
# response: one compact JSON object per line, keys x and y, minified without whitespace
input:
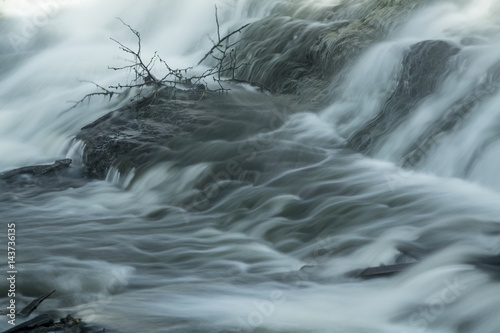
{"x":163,"y":129}
{"x":37,"y":170}
{"x":422,"y":67}
{"x":122,"y":137}
{"x":381,"y":271}
{"x":295,"y":53}
{"x":37,"y":179}
{"x":451,"y":120}
{"x":300,"y":52}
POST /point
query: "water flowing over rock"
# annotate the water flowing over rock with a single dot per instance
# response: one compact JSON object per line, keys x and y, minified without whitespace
{"x":300,"y":50}
{"x":36,"y":170}
{"x":423,"y":66}
{"x":346,"y":180}
{"x":124,"y":136}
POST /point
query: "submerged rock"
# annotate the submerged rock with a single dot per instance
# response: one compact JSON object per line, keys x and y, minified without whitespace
{"x":37,"y":170}
{"x":422,"y":66}
{"x":380,"y":271}
{"x":37,"y":179}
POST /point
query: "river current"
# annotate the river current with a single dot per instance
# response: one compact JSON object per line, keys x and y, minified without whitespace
{"x":310,"y":199}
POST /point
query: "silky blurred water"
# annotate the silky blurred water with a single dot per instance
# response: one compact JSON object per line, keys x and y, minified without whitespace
{"x":261,"y":229}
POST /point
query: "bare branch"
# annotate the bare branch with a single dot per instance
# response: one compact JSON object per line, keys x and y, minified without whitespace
{"x":217,"y":22}
{"x":105,"y":92}
{"x":135,"y":32}
{"x":223,"y":52}
{"x":221,"y":41}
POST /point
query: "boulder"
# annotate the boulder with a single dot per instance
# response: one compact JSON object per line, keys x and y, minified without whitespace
{"x":122,"y":137}
{"x":303,"y":52}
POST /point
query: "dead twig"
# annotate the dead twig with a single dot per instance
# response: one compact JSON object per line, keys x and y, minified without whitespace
{"x":105,"y":92}
{"x":223,"y":52}
{"x":220,"y":41}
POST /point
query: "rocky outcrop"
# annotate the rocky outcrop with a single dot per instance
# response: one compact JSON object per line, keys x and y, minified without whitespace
{"x":294,"y":52}
{"x":299,"y":52}
{"x":158,"y":129}
{"x":123,"y":137}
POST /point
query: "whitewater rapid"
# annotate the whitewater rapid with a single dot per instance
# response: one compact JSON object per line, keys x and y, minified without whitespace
{"x":275,"y":249}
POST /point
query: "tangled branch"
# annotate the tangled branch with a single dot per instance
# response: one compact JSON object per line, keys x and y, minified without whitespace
{"x":222,"y":53}
{"x":104,"y":92}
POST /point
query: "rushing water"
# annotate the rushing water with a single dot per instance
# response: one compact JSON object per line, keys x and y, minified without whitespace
{"x":273,"y":249}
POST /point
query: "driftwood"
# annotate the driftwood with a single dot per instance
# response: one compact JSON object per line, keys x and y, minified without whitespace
{"x":28,"y":309}
{"x":37,"y":170}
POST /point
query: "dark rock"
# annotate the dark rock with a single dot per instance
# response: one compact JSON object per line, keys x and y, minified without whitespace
{"x":295,"y":53}
{"x":380,"y":271}
{"x":423,"y":65}
{"x":452,"y":119}
{"x":161,"y":129}
{"x":34,"y":180}
{"x":122,"y":137}
{"x":302,"y":53}
{"x":37,"y":170}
